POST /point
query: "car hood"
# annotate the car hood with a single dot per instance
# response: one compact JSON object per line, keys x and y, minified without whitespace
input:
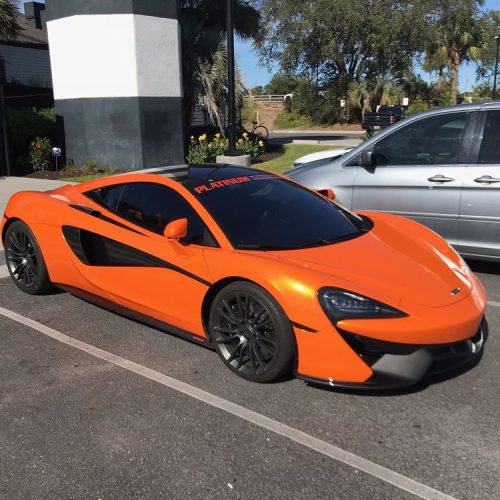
{"x":327,"y":154}
{"x":389,"y":265}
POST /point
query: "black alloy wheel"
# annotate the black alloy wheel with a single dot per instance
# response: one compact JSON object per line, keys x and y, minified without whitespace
{"x":251,"y":333}
{"x":24,"y":260}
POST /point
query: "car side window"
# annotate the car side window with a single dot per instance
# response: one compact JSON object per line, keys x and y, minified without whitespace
{"x":107,"y":197}
{"x":152,"y":206}
{"x":489,"y":152}
{"x":435,"y":140}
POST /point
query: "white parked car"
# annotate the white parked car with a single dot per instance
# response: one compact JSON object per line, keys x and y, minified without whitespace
{"x":327,"y":154}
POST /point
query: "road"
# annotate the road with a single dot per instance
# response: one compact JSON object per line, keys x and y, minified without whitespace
{"x":330,"y":138}
{"x":79,"y":420}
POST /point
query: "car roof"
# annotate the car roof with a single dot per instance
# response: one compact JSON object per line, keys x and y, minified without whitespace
{"x":188,"y":175}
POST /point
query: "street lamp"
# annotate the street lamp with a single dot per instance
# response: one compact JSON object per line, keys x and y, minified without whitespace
{"x":231,"y":94}
{"x":497,"y":38}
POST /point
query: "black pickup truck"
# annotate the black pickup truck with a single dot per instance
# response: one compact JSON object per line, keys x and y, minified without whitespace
{"x":385,"y":116}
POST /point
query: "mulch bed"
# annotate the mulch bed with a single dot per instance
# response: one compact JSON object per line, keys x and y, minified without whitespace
{"x":54,"y":175}
{"x":274,"y":150}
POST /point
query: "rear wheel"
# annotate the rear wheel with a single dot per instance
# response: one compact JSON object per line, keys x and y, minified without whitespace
{"x":261,"y":131}
{"x":25,"y":261}
{"x":251,"y":333}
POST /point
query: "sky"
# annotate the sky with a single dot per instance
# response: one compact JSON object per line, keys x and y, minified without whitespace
{"x":254,"y":74}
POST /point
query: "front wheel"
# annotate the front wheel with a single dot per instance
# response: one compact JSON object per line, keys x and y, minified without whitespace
{"x":25,"y":260}
{"x":251,"y":333}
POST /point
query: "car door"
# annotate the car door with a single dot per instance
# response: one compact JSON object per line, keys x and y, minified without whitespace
{"x":479,"y":223}
{"x":144,"y":271}
{"x":418,"y":172}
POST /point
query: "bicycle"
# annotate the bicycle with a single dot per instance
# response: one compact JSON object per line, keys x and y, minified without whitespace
{"x":258,"y":130}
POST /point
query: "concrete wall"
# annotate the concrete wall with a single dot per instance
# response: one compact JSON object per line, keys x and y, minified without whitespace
{"x":116,"y":70}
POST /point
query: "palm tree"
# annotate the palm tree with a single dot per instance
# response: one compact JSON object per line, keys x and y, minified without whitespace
{"x":211,"y":85}
{"x":369,"y":93}
{"x":456,"y":36}
{"x":9,"y":27}
{"x":203,"y":26}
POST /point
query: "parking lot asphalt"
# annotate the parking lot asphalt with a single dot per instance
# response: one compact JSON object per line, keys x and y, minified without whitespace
{"x":73,"y":425}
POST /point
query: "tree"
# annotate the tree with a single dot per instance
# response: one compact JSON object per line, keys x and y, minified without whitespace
{"x":339,"y":42}
{"x":203,"y":26}
{"x":211,"y":85}
{"x":367,"y":95}
{"x":457,"y":35}
{"x":487,"y":58}
{"x":281,"y":84}
{"x":9,"y":27}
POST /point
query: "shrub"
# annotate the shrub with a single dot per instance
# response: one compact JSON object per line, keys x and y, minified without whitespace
{"x":202,"y":150}
{"x":251,"y":145}
{"x":40,"y":153}
{"x":417,"y":106}
{"x":24,"y":125}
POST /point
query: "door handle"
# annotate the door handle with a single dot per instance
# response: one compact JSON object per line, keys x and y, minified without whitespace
{"x":487,"y":179}
{"x":440,"y":178}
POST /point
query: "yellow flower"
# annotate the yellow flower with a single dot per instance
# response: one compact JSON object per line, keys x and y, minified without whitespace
{"x":202,"y":137}
{"x":245,"y":135}
{"x":192,"y":137}
{"x":217,"y":136}
{"x":240,"y":140}
{"x":261,"y":144}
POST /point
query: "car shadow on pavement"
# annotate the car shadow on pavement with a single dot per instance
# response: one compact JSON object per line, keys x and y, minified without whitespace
{"x":402,"y":391}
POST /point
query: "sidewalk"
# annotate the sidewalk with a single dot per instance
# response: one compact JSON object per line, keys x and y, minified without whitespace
{"x":11,"y":185}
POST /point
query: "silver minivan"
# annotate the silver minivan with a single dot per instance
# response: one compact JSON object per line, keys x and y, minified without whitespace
{"x":440,"y":168}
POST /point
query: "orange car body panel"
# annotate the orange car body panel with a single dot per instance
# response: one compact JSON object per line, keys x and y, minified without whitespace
{"x":415,"y":272}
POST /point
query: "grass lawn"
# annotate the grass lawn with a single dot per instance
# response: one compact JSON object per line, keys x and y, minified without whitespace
{"x":277,"y":165}
{"x":84,"y":178}
{"x":292,"y":152}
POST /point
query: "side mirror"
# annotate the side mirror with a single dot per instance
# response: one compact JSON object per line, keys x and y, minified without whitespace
{"x":176,"y":230}
{"x":327,"y":193}
{"x":367,"y":159}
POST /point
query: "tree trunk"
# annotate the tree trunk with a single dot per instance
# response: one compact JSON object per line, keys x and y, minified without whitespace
{"x":455,"y":56}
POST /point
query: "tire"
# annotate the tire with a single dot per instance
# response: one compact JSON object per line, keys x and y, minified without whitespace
{"x":251,"y":333}
{"x":261,"y":131}
{"x":25,"y":260}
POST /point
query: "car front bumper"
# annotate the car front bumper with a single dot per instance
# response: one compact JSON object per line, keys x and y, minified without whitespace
{"x":402,"y":365}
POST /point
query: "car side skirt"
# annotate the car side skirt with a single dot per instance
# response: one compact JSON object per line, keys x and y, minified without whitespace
{"x":134,"y":315}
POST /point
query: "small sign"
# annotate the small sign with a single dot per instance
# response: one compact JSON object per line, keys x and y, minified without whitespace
{"x":56,"y":152}
{"x":406,"y":101}
{"x":342,"y":103}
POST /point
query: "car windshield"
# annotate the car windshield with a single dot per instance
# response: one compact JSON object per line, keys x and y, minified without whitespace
{"x":260,"y":211}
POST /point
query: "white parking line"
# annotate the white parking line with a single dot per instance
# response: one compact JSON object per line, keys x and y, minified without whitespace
{"x":494,"y":304}
{"x":4,"y":272}
{"x":331,"y":451}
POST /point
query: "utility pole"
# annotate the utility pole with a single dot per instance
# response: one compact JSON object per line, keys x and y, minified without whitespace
{"x":494,"y":95}
{"x":231,"y":93}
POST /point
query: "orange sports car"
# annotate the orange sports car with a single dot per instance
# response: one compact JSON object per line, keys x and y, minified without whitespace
{"x":273,"y":276}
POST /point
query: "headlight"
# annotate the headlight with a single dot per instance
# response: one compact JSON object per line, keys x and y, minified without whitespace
{"x":341,"y":304}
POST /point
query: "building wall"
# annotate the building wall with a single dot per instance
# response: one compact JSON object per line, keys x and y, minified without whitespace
{"x":117,"y":80}
{"x":117,"y":56}
{"x":26,"y":65}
